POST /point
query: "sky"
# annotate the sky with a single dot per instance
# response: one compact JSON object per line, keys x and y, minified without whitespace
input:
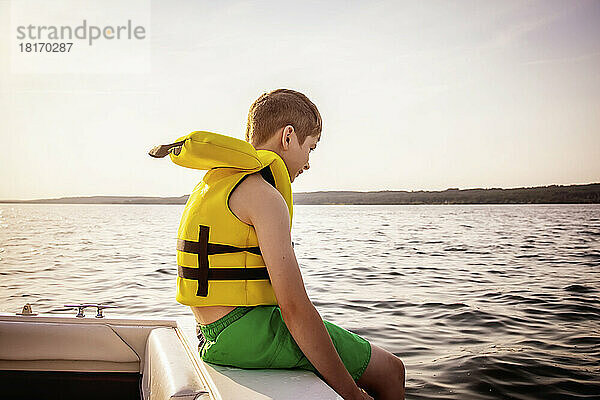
{"x":414,"y":95}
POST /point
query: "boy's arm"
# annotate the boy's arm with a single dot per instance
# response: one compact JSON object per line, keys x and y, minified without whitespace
{"x":264,"y":206}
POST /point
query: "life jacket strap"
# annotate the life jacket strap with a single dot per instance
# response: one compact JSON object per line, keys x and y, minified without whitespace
{"x":224,"y":274}
{"x":212,"y":248}
{"x":163,"y":150}
{"x":204,"y":273}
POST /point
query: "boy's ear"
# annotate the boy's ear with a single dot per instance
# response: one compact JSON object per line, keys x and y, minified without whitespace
{"x":286,"y":136}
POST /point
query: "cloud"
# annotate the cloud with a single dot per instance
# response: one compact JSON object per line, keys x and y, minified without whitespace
{"x":513,"y":33}
{"x":560,"y":60}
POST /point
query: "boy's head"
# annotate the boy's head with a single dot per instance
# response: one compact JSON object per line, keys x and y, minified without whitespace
{"x":282,"y":121}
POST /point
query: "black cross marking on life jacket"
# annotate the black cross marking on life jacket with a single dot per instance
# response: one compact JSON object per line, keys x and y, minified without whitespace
{"x":202,"y":248}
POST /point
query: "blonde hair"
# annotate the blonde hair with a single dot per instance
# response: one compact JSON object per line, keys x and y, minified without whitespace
{"x":278,"y":108}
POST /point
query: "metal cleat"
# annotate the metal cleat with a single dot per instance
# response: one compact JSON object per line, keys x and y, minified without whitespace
{"x":27,"y":310}
{"x":81,"y":308}
{"x":100,"y":308}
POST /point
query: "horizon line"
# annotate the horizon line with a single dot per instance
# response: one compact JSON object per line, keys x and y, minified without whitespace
{"x":315,"y":191}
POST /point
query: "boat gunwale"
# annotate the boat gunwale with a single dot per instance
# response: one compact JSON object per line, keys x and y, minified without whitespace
{"x":121,"y":320}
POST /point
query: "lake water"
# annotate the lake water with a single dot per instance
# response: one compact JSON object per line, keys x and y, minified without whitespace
{"x":480,"y":302}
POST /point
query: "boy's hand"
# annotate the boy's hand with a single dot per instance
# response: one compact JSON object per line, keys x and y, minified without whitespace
{"x":258,"y":203}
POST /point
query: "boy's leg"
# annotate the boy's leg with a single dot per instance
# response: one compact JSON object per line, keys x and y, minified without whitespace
{"x":384,"y":376}
{"x":381,"y":374}
{"x":272,"y":346}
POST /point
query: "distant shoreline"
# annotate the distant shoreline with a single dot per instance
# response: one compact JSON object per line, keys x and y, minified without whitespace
{"x":553,"y":194}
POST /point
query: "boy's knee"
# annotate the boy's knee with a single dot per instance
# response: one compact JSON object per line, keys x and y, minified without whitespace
{"x":401,"y":371}
{"x":384,"y":368}
{"x":396,"y":368}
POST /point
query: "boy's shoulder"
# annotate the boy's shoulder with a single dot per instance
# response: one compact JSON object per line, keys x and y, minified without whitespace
{"x":253,"y":193}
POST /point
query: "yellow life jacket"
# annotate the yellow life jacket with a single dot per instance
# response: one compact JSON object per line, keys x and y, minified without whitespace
{"x":219,"y":260}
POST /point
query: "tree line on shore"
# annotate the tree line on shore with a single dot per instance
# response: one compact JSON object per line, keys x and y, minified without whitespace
{"x":553,"y":194}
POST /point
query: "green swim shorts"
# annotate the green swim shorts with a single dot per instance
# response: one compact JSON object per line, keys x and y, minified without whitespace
{"x":257,"y":337}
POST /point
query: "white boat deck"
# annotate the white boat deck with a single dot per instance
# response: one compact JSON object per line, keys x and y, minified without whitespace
{"x":163,"y":350}
{"x":257,"y":384}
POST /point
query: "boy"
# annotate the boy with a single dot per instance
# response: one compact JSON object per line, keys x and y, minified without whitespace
{"x":237,"y":268}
